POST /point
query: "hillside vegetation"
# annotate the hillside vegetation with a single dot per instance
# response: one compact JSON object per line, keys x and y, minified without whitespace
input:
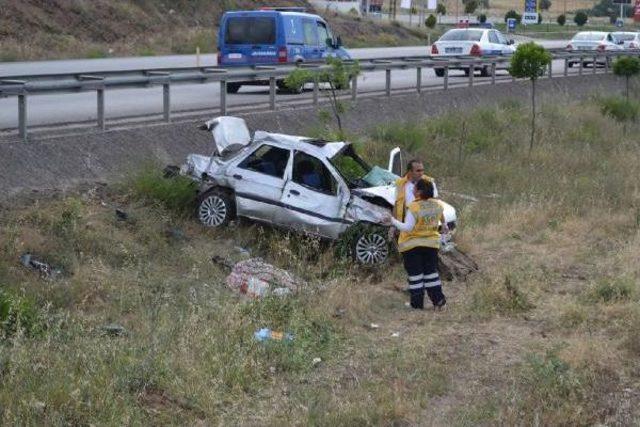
{"x":32,"y":29}
{"x":547,"y":333}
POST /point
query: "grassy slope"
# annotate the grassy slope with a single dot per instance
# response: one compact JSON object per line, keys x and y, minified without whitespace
{"x":78,"y":28}
{"x":546,"y":333}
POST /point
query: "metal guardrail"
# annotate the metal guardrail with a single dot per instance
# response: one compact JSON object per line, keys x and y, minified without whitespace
{"x":24,"y":86}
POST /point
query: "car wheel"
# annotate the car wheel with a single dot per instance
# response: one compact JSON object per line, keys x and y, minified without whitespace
{"x":484,"y":72}
{"x":371,"y":247}
{"x":466,"y":72}
{"x":570,"y":64}
{"x":215,"y":208}
{"x":233,"y":87}
{"x":439,"y":72}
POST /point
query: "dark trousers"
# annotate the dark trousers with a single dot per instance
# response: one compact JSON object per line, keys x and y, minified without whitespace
{"x":421,"y":264}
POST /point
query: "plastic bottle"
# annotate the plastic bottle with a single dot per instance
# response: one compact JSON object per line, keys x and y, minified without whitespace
{"x":266,"y":334}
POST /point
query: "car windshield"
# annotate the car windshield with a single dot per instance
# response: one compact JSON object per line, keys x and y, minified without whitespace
{"x":462,"y":35}
{"x":589,"y":37}
{"x":624,"y":37}
{"x":352,"y":168}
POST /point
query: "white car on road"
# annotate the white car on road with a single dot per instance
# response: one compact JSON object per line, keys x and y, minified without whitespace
{"x":590,"y":42}
{"x":316,"y":187}
{"x":480,"y":42}
{"x":629,"y":40}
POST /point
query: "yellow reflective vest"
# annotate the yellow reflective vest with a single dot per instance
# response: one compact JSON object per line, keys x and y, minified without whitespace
{"x":399,"y":208}
{"x":428,"y":215}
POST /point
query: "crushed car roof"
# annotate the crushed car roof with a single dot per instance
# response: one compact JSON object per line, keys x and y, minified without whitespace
{"x":310,"y":145}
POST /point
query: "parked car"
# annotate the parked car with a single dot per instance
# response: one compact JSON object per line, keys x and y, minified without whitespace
{"x":628,"y":40}
{"x":274,"y":36}
{"x":591,"y":42}
{"x":483,"y":43}
{"x":316,"y":187}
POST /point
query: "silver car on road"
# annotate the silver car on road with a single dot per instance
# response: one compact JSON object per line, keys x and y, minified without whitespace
{"x":313,"y":186}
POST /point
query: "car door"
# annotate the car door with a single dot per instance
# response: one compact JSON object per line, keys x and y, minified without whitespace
{"x":326,"y":48}
{"x":313,"y":199}
{"x":258,"y":179}
{"x":311,"y":43}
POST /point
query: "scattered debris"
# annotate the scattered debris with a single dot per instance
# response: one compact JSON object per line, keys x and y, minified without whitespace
{"x":374,"y":326}
{"x":242,"y":251}
{"x":266,"y":334}
{"x":121,"y":215}
{"x":38,"y":406}
{"x":256,"y":278}
{"x":340,"y":312}
{"x":175,"y":234}
{"x":316,"y":361}
{"x":455,"y":264}
{"x":114,"y":330}
{"x":171,"y":171}
{"x":395,"y":335}
{"x":45,"y":269}
{"x":272,"y":369}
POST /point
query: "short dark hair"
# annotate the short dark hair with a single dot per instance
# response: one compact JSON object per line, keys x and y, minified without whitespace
{"x":425,"y":188}
{"x":411,"y":163}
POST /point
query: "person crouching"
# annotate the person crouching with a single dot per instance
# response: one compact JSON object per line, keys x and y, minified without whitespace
{"x":419,"y":242}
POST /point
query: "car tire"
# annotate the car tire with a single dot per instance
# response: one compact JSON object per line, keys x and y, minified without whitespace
{"x":484,"y":72}
{"x":233,"y":87}
{"x":216,"y":208}
{"x":466,"y":72}
{"x":286,"y":89}
{"x":439,"y":72}
{"x":570,"y":64}
{"x":370,"y":246}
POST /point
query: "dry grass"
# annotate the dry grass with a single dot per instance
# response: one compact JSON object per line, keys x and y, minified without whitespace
{"x":546,"y":333}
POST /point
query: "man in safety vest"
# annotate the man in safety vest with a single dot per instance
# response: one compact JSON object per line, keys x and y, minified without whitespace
{"x":405,"y":186}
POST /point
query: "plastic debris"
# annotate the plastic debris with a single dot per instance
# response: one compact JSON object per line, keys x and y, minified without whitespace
{"x":45,"y":269}
{"x":374,"y":326}
{"x":256,"y":278}
{"x":395,"y":334}
{"x":316,"y":361}
{"x":121,"y":215}
{"x":266,"y":334}
{"x":242,"y":251}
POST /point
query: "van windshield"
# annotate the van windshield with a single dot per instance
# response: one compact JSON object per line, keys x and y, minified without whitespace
{"x":251,"y":30}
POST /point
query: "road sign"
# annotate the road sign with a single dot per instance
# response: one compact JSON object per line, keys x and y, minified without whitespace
{"x":511,"y":23}
{"x":530,"y":18}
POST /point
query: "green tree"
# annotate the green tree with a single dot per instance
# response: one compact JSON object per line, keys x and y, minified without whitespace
{"x":441,"y":9}
{"x":470,"y":6}
{"x":430,"y":22}
{"x":482,"y":18}
{"x":530,"y":61}
{"x":562,"y":20}
{"x":627,"y":67}
{"x":513,"y":14}
{"x":581,"y":18}
{"x":337,"y":74}
{"x":545,"y":4}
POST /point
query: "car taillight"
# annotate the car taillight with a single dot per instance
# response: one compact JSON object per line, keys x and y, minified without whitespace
{"x":601,"y":47}
{"x":475,"y":50}
{"x":434,"y":49}
{"x":632,"y":45}
{"x":282,"y":54}
{"x":569,"y":47}
{"x":219,"y":58}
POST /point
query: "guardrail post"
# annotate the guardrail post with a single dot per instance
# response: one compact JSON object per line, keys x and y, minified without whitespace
{"x":101,"y":120}
{"x":223,"y":97}
{"x":316,"y":88}
{"x":22,"y":116}
{"x":472,"y":71}
{"x":354,"y":87}
{"x":566,"y":67}
{"x":551,"y":69}
{"x":493,"y":73}
{"x":419,"y":79}
{"x":166,"y":102}
{"x":581,"y":66}
{"x":388,"y":78}
{"x":446,"y":77}
{"x":272,"y":93}
{"x":595,"y":64}
{"x":606,"y":64}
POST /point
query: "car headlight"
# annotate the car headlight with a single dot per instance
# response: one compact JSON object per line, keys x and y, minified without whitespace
{"x":187,"y":168}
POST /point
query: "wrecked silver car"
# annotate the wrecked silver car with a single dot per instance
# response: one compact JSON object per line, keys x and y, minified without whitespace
{"x":313,"y":186}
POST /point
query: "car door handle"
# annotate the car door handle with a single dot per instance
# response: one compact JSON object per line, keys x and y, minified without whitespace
{"x":294,"y":192}
{"x":237,"y":176}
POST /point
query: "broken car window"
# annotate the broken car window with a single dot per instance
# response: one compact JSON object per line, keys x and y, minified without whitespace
{"x":352,"y":168}
{"x":268,"y":160}
{"x":311,"y":173}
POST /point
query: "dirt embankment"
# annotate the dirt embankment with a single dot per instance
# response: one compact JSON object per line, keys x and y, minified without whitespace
{"x":33,"y":29}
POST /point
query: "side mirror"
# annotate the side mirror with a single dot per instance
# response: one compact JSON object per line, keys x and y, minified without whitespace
{"x":338,"y":42}
{"x":510,"y":42}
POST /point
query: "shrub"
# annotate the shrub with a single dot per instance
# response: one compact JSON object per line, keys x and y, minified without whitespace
{"x":430,"y":22}
{"x":580,"y":19}
{"x":441,"y":9}
{"x":622,"y":110}
{"x":545,"y":4}
{"x":175,"y":193}
{"x":612,"y":290}
{"x":482,"y":18}
{"x":627,"y":67}
{"x":470,"y":6}
{"x":562,"y":19}
{"x":513,"y":14}
{"x":16,"y":314}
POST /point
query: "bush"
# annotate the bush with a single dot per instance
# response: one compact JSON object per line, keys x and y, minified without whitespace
{"x":430,"y":22}
{"x":513,"y":14}
{"x":545,"y":4}
{"x":175,"y":193}
{"x":441,"y":9}
{"x":612,"y":290}
{"x":620,"y":109}
{"x":482,"y":18}
{"x":470,"y":6}
{"x":562,"y":19}
{"x":580,"y":19}
{"x":16,"y":314}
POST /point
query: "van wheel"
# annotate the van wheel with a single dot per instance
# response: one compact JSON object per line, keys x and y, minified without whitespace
{"x":370,"y":246}
{"x":216,"y":208}
{"x":484,"y":72}
{"x":283,"y":87}
{"x":439,"y":72}
{"x":233,"y":87}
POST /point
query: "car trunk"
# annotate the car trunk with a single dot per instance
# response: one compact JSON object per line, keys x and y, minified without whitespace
{"x":454,"y":47}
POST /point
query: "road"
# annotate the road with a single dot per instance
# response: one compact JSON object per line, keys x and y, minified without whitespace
{"x":80,"y":107}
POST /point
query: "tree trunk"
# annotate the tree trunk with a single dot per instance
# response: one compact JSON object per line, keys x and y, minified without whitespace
{"x":533,"y":113}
